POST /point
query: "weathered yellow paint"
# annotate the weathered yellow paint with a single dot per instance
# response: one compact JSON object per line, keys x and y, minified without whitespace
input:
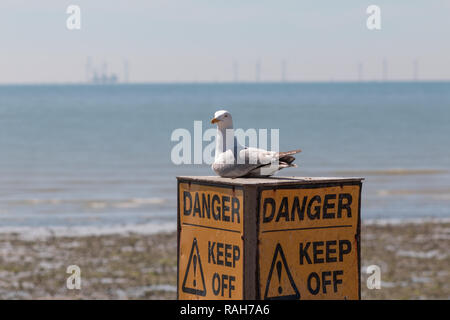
{"x":307,"y":243}
{"x":293,"y":238}
{"x":210,"y":261}
{"x":226,"y":206}
{"x":304,"y":207}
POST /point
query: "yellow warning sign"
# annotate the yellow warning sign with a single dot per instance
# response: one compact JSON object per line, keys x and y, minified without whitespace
{"x":210,"y":262}
{"x":308,"y":242}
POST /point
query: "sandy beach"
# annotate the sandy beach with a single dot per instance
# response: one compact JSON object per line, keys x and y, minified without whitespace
{"x":414,"y":258}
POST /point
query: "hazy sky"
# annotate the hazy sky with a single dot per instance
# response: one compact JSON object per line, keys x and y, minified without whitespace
{"x":198,"y":40}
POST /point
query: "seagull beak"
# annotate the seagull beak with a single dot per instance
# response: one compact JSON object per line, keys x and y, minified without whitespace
{"x":215,"y":120}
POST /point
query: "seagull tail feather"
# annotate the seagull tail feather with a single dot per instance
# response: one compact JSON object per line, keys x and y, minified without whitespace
{"x":288,"y":153}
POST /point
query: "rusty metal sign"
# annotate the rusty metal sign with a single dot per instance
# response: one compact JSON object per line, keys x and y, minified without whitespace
{"x":210,"y":255}
{"x":308,"y":242}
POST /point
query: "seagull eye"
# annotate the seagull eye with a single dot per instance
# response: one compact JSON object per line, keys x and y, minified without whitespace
{"x":226,"y":116}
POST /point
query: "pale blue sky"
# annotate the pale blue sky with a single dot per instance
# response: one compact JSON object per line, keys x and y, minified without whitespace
{"x":198,"y":40}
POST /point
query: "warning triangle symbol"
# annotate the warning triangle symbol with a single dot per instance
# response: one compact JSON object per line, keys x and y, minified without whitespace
{"x":280,"y":284}
{"x":194,"y":273}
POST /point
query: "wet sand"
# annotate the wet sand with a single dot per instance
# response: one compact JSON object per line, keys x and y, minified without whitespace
{"x":414,"y":259}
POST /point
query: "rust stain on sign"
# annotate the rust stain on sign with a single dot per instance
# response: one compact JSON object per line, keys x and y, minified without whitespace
{"x":308,"y":242}
{"x":210,"y":261}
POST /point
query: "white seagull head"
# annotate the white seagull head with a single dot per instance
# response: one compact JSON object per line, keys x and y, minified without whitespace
{"x":223,"y":119}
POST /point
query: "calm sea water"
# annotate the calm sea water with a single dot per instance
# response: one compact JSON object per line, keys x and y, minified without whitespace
{"x":100,"y":155}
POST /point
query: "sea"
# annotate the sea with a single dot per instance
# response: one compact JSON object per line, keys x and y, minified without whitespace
{"x":98,"y":157}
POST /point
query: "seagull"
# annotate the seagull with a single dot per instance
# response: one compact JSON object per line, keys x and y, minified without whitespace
{"x":233,"y":160}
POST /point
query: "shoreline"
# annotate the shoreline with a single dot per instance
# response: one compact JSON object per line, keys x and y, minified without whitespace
{"x":146,"y":229}
{"x":414,"y":259}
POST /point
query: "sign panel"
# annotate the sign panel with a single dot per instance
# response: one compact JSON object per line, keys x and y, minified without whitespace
{"x":308,"y":242}
{"x":210,"y":262}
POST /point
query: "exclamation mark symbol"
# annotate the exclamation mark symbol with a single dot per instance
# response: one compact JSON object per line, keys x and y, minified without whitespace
{"x":280,"y":289}
{"x":194,"y":258}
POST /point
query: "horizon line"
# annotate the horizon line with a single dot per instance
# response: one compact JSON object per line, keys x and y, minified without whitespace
{"x":223,"y":82}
